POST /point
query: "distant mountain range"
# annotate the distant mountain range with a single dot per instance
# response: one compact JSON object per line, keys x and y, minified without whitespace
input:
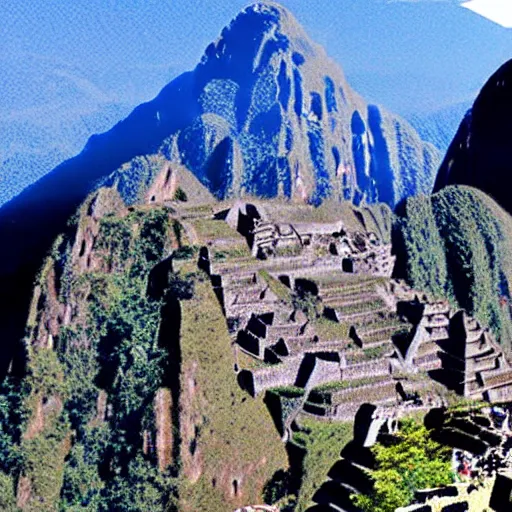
{"x":267,"y":104}
{"x":439,"y":127}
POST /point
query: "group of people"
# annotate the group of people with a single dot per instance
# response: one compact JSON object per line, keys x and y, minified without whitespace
{"x":475,"y":469}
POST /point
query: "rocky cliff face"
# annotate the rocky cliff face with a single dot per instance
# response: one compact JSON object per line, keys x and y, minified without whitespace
{"x":270,"y":114}
{"x":481,"y":153}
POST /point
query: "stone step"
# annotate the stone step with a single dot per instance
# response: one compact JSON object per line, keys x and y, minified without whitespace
{"x":303,"y":344}
{"x":258,"y":308}
{"x":368,"y":334}
{"x":342,"y":279}
{"x":336,"y":402}
{"x":391,"y":322}
{"x":442,"y":308}
{"x":336,"y":495}
{"x":377,"y":343}
{"x":476,"y":350}
{"x":361,"y":317}
{"x":482,"y":365}
{"x":347,"y":292}
{"x":496,"y":378}
{"x":426,"y":348}
{"x":284,"y":331}
{"x":428,"y":361}
{"x":342,"y":301}
{"x":347,"y":472}
{"x":474,"y":336}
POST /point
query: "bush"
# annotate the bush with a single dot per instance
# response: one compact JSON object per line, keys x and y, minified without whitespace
{"x":143,"y":488}
{"x":82,"y":485}
{"x":81,"y":368}
{"x":180,"y":195}
{"x":7,"y":495}
{"x":415,"y":462}
{"x":13,"y":417}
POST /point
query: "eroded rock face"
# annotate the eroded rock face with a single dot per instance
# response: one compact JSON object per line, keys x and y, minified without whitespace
{"x":481,"y":153}
{"x":273,"y":115}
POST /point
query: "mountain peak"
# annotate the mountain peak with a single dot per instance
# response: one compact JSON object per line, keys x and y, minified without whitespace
{"x":260,"y":27}
{"x":480,"y":155}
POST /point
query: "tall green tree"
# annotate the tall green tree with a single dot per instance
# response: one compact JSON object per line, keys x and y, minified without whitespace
{"x":414,"y":462}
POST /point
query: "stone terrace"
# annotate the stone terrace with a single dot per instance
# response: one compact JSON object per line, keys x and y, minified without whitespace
{"x":367,"y":332}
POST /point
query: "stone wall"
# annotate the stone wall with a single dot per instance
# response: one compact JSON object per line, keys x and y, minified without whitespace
{"x":366,"y":369}
{"x":284,"y":374}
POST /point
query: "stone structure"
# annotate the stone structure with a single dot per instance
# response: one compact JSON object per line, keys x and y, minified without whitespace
{"x":387,"y":331}
{"x":501,"y":498}
{"x":270,"y":236}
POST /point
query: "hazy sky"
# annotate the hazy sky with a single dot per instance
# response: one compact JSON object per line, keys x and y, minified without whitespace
{"x":407,"y":55}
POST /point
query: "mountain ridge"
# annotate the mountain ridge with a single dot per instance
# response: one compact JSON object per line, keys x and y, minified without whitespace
{"x":480,"y":154}
{"x":236,"y":137}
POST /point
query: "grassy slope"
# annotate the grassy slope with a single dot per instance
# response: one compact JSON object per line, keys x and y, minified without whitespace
{"x":226,"y":436}
{"x":322,"y":443}
{"x":457,"y":244}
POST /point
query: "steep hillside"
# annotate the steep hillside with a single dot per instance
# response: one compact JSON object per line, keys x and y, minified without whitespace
{"x":129,"y":401}
{"x":457,"y":244}
{"x":480,"y":155}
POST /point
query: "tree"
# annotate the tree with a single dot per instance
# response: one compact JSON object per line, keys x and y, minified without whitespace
{"x":144,"y":488}
{"x":7,"y":497}
{"x":414,"y":462}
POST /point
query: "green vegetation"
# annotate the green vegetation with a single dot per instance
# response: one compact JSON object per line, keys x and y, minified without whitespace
{"x":113,"y":241}
{"x":211,"y":229}
{"x":282,"y":403}
{"x":225,"y":435}
{"x":329,"y":330}
{"x":414,"y":462}
{"x":362,"y":307}
{"x":277,"y":287}
{"x":13,"y":418}
{"x":322,"y":393}
{"x":308,"y":303}
{"x":321,"y":445}
{"x":180,"y":195}
{"x":456,"y":246}
{"x":7,"y":496}
{"x":288,"y":251}
{"x":69,"y":457}
{"x":233,"y":252}
{"x":44,"y":445}
{"x":134,"y":178}
{"x":185,"y":253}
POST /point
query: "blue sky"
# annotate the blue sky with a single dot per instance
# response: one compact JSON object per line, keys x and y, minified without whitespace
{"x":73,"y":68}
{"x":406,"y":55}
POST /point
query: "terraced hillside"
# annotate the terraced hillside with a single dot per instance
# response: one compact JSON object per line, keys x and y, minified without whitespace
{"x":206,"y":352}
{"x":468,"y":256}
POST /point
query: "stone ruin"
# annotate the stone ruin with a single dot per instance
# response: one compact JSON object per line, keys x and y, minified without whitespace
{"x":357,"y":252}
{"x":396,"y":349}
{"x":392,"y":334}
{"x":501,"y":497}
{"x":467,"y":356}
